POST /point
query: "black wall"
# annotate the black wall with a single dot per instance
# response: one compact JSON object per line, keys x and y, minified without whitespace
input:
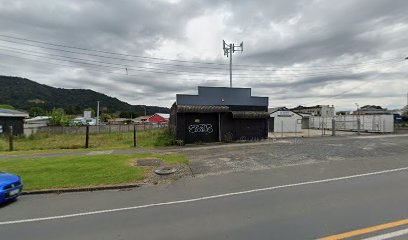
{"x":16,"y":122}
{"x":204,"y":127}
{"x":243,"y":129}
{"x":197,"y":127}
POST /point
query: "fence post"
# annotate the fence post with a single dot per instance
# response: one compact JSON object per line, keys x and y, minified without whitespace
{"x":358,"y":126}
{"x":282,"y":129}
{"x":295,"y":128}
{"x":87,"y":137}
{"x":10,"y":138}
{"x":134,"y":135}
{"x":333,"y":127}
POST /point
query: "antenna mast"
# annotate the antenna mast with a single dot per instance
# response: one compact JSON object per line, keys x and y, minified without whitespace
{"x":229,"y":49}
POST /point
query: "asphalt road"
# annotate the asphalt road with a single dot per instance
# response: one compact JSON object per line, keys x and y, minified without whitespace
{"x":301,"y":201}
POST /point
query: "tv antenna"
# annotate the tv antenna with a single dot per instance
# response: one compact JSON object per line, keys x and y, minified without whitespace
{"x":229,"y":49}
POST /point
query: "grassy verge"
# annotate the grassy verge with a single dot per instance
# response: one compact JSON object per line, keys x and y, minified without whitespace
{"x":83,"y":171}
{"x":148,"y":138}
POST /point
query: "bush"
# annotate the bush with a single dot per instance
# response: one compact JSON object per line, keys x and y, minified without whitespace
{"x":163,"y":139}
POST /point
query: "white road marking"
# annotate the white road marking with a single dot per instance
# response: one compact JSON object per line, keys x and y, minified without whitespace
{"x":389,"y":235}
{"x":200,"y":198}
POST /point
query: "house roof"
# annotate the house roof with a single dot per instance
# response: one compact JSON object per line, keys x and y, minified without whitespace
{"x":273,"y":110}
{"x":141,"y":118}
{"x":163,"y":115}
{"x":12,"y":113}
{"x":38,"y":119}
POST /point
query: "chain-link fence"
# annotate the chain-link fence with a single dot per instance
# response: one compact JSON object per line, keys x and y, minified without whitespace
{"x":104,"y":137}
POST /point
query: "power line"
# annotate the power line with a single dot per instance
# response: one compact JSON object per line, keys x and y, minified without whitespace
{"x":156,"y":70}
{"x":109,"y":57}
{"x":122,"y":66}
{"x":107,"y":52}
{"x":283,"y":69}
{"x":115,"y":66}
{"x":184,"y":61}
{"x":96,"y":69}
{"x":161,"y":72}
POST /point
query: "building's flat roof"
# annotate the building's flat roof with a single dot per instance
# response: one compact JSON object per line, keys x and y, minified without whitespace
{"x":12,"y":113}
{"x":222,"y":96}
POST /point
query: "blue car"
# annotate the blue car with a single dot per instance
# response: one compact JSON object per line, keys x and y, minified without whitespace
{"x":10,"y":187}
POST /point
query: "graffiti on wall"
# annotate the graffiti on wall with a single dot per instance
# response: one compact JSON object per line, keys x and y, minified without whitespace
{"x":200,"y":128}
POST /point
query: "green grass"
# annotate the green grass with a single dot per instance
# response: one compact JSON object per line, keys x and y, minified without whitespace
{"x":148,"y":138}
{"x":83,"y":171}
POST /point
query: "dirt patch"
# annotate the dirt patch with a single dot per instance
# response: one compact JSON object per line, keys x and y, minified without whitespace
{"x":181,"y":171}
{"x":147,"y":162}
{"x":152,"y":164}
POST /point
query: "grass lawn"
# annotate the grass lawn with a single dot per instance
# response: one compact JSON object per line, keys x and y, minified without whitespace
{"x":147,"y":138}
{"x":82,"y":171}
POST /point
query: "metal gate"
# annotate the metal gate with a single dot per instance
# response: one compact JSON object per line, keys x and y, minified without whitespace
{"x":271,"y":123}
{"x":201,"y":127}
{"x":250,"y":129}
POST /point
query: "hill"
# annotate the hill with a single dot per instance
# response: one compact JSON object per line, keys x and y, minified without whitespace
{"x":26,"y":94}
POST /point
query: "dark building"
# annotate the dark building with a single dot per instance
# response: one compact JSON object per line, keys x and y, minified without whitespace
{"x":219,"y":114}
{"x":12,"y":118}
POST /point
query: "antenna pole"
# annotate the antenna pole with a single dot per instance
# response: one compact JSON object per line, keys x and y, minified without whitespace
{"x":230,"y":57}
{"x":229,"y":49}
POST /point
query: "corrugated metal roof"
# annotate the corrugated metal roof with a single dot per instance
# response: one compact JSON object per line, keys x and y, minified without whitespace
{"x":12,"y":113}
{"x":250,"y":114}
{"x":201,"y":109}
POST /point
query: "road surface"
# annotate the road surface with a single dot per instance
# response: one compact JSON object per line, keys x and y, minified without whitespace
{"x":361,"y":197}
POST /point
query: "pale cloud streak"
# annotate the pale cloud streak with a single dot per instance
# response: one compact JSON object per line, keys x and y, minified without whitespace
{"x":314,"y":49}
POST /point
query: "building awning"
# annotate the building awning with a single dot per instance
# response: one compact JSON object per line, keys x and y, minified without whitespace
{"x":201,"y":109}
{"x":250,"y":114}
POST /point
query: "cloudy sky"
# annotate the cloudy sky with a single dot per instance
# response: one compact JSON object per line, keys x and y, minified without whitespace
{"x":144,"y":52}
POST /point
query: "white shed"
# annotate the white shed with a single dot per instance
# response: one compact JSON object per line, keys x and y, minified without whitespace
{"x":284,"y":120}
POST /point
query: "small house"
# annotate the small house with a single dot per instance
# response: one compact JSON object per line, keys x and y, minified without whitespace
{"x":12,"y":118}
{"x":284,"y":120}
{"x":159,"y":118}
{"x":141,"y":119}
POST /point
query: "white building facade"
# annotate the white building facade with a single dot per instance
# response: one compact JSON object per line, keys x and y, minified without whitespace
{"x":284,"y":120}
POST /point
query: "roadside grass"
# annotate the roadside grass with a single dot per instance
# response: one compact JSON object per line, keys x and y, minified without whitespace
{"x":83,"y":171}
{"x":147,"y":138}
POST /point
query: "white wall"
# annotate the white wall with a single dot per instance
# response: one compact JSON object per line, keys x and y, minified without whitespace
{"x":369,"y":123}
{"x":286,"y":121}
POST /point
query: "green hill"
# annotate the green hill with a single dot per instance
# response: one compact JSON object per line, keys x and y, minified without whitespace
{"x":24,"y":94}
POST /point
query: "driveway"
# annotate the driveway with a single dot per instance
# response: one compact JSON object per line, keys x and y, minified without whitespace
{"x":285,"y":152}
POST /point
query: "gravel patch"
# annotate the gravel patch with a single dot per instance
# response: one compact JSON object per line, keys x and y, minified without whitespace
{"x":291,"y":152}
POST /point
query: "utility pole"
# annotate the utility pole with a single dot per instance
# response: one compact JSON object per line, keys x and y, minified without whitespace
{"x":229,"y":49}
{"x":97,"y":113}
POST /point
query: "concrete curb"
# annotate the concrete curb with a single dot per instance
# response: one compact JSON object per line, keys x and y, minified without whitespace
{"x":87,"y":189}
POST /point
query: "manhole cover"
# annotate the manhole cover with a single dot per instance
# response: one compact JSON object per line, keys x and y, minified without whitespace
{"x":148,"y":162}
{"x":165,"y":170}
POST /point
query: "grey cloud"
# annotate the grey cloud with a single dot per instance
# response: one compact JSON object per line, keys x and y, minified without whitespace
{"x":314,"y":33}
